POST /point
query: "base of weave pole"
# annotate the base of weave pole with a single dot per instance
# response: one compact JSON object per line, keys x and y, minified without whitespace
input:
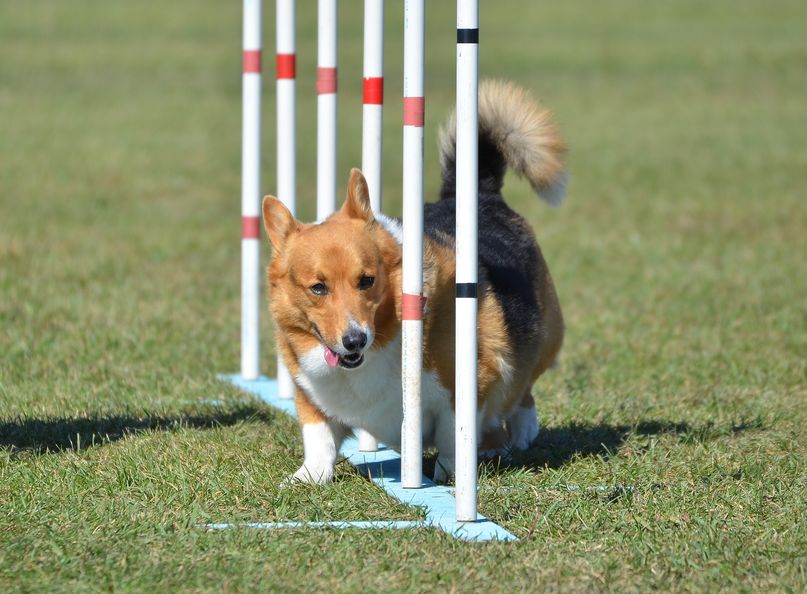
{"x":384,"y":469}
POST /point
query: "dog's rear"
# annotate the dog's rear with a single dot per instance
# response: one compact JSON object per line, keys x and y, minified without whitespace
{"x":520,"y":321}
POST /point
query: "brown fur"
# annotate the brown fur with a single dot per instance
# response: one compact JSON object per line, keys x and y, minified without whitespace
{"x":300,"y":316}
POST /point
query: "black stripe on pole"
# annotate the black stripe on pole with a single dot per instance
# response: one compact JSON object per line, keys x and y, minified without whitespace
{"x":467,"y":35}
{"x":466,"y":290}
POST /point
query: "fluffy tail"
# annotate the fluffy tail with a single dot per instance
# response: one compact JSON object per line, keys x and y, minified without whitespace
{"x":516,"y":132}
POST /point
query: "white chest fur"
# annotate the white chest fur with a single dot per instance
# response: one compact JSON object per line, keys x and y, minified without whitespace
{"x":370,"y":396}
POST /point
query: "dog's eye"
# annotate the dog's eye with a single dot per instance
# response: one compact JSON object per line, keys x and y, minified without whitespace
{"x":319,"y":289}
{"x":365,"y":282}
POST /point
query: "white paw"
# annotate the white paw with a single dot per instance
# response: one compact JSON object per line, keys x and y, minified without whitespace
{"x":522,"y":427}
{"x":309,"y":474}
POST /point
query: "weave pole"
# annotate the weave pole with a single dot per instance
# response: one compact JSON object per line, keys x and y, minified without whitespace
{"x":412,"y":298}
{"x":466,"y":251}
{"x":250,"y":191}
{"x":326,"y":107}
{"x":373,"y":108}
{"x":372,"y":127}
{"x":286,"y":137}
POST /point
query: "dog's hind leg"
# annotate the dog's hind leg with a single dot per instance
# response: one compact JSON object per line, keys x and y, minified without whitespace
{"x":495,"y":443}
{"x":444,"y":440}
{"x":522,"y":424}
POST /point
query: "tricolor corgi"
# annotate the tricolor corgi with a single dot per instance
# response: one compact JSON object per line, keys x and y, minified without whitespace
{"x":335,"y":296}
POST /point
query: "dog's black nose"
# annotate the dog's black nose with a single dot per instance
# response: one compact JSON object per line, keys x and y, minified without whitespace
{"x":354,"y":340}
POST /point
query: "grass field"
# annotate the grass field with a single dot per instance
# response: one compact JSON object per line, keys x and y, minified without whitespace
{"x":679,"y":258}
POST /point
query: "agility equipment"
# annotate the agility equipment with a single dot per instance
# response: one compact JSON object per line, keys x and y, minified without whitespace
{"x":250,"y":191}
{"x":286,"y":67}
{"x":401,"y":476}
{"x":412,"y":278}
{"x":326,"y":107}
{"x":466,"y":306}
{"x":372,"y":127}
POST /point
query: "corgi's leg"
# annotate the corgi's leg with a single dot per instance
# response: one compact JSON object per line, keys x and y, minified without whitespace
{"x":444,"y":441}
{"x":522,"y":424}
{"x":494,"y":444}
{"x":322,"y":438}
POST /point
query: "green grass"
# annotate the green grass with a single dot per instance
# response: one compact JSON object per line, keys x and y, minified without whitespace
{"x":679,"y":259}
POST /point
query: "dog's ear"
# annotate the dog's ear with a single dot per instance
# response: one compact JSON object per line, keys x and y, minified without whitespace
{"x":278,"y":222}
{"x":357,"y":203}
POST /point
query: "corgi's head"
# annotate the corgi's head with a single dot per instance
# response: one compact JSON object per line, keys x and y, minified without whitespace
{"x":334,"y":285}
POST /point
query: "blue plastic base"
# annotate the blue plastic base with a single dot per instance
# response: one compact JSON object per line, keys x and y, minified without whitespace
{"x":384,"y":469}
{"x":336,"y":525}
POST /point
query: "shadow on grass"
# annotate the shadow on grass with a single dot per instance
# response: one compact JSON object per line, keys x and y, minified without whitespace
{"x":43,"y":436}
{"x":556,"y":446}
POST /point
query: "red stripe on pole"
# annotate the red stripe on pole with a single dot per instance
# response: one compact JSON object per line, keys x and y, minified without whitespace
{"x":326,"y":81}
{"x":250,"y":228}
{"x":252,"y":61}
{"x":374,"y":90}
{"x":412,"y":306}
{"x":413,"y":108}
{"x":286,"y":66}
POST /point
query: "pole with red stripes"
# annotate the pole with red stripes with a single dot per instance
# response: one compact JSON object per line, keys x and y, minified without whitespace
{"x":372,"y":126}
{"x":373,"y":110}
{"x":250,"y":191}
{"x":326,"y":108}
{"x":466,"y":253}
{"x":286,"y":138}
{"x":412,"y":299}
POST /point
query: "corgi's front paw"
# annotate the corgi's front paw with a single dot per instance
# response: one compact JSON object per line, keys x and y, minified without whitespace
{"x":311,"y":474}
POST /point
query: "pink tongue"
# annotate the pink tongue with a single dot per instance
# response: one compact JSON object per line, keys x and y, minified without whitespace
{"x":331,"y":358}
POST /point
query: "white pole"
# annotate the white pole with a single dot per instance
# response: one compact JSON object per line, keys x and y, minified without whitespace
{"x":412,"y":315}
{"x":467,"y":197}
{"x":286,"y":139}
{"x":372,"y":126}
{"x":326,"y":108}
{"x":250,"y":190}
{"x":372,"y":112}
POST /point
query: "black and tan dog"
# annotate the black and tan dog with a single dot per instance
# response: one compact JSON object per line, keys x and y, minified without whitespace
{"x":335,"y":296}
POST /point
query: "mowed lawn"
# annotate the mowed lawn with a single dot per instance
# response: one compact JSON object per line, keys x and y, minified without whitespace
{"x":679,"y":258}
